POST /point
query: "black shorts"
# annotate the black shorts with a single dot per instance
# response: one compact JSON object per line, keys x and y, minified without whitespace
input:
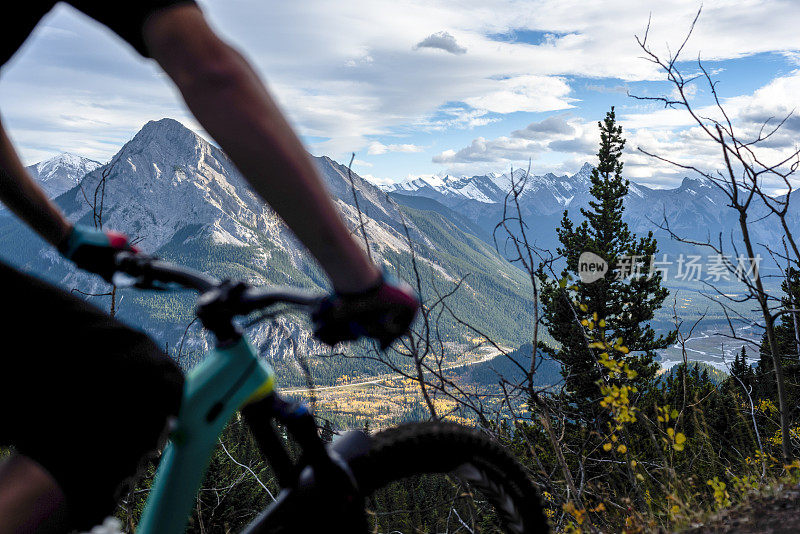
{"x":80,"y":393}
{"x":126,"y":18}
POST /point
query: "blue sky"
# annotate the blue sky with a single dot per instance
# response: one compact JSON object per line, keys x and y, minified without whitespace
{"x":419,"y":88}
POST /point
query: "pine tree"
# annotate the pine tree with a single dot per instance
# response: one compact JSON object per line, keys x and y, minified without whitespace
{"x":787,"y":337}
{"x":741,"y":369}
{"x":626,"y":303}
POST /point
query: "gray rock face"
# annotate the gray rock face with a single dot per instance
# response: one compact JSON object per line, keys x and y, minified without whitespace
{"x":167,"y":178}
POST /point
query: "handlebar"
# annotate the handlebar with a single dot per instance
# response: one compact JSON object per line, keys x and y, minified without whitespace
{"x":150,"y":273}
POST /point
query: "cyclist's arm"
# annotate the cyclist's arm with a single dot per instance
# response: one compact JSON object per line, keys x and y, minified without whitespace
{"x":22,"y":195}
{"x":232,"y":104}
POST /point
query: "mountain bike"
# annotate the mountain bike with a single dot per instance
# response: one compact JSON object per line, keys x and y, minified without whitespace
{"x":325,"y":489}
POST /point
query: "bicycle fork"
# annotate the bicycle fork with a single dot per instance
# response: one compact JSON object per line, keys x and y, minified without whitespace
{"x":320,"y":491}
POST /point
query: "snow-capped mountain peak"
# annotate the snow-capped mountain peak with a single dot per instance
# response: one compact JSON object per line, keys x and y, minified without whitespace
{"x":62,"y":172}
{"x":549,"y":193}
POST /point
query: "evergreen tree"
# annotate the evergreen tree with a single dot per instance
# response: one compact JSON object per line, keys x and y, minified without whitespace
{"x":786,"y":338}
{"x":741,"y":369}
{"x":626,"y":303}
{"x":786,"y":335}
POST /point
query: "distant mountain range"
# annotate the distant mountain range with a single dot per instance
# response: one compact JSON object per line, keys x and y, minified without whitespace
{"x":184,"y":200}
{"x":550,"y":192}
{"x":696,"y":209}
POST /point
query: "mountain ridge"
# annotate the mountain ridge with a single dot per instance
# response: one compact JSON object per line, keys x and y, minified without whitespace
{"x":184,"y":200}
{"x":694,"y":210}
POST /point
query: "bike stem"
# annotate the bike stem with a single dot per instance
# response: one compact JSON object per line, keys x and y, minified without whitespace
{"x":216,"y":309}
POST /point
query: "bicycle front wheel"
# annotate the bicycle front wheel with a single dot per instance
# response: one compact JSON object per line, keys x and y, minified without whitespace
{"x":485,"y":473}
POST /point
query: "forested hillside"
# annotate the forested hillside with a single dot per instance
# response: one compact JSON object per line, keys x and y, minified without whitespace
{"x":180,"y":198}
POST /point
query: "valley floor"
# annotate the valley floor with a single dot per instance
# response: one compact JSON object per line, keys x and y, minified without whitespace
{"x":470,"y":359}
{"x":387,"y":399}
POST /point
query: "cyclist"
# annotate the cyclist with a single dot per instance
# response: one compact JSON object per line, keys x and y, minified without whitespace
{"x":87,"y":397}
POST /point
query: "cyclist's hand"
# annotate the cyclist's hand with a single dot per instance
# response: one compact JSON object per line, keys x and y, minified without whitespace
{"x":384,"y":313}
{"x":94,"y":250}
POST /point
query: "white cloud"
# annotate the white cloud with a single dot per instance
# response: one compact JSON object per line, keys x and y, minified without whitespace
{"x":397,"y":86}
{"x":600,"y":88}
{"x":348,"y":71}
{"x":689,"y":91}
{"x":555,"y":125}
{"x":376,"y":148}
{"x":556,"y":133}
{"x":672,"y":134}
{"x":491,"y":151}
{"x":669,"y":133}
{"x":524,"y":93}
{"x":456,"y":117}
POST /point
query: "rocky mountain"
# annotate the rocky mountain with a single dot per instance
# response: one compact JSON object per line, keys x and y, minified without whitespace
{"x":547,"y":193}
{"x":182,"y":199}
{"x":61,"y":173}
{"x":695,"y":210}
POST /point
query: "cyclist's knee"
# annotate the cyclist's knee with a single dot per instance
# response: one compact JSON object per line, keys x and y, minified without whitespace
{"x":30,"y":498}
{"x":112,"y":420}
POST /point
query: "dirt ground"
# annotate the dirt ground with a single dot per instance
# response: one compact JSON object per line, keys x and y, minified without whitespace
{"x":763,"y":515}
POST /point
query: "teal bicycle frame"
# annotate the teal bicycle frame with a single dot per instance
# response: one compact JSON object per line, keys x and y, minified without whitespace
{"x":232,"y":378}
{"x":218,"y":387}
